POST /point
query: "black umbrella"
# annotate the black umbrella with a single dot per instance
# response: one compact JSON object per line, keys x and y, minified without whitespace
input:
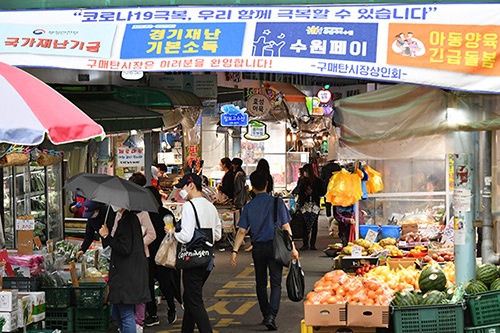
{"x":113,"y":190}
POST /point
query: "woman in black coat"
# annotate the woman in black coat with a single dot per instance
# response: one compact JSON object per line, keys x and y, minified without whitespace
{"x":128,"y":269}
{"x":310,"y":189}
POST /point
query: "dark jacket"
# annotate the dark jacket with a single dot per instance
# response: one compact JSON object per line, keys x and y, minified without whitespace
{"x":308,"y":191}
{"x":95,"y":223}
{"x":240,"y":189}
{"x":326,"y":172}
{"x":128,"y":269}
{"x":227,"y":184}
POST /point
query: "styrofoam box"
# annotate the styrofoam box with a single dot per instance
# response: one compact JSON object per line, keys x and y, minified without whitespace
{"x":10,"y":320}
{"x":8,"y":300}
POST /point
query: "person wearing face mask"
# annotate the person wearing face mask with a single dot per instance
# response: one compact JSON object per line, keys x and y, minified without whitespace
{"x":128,"y":269}
{"x":193,"y":279}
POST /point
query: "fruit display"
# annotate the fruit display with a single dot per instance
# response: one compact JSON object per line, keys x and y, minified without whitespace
{"x":336,"y":287}
{"x":440,"y":256}
{"x":487,"y":278}
{"x":370,"y":248}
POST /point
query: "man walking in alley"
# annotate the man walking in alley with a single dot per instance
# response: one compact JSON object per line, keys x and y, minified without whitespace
{"x":258,"y":215}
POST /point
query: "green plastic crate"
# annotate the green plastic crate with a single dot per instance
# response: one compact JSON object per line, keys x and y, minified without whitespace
{"x":442,"y":318}
{"x":58,"y":297}
{"x":93,"y":320}
{"x":484,"y":308}
{"x":90,"y":295}
{"x":62,"y":319}
{"x":495,"y":328}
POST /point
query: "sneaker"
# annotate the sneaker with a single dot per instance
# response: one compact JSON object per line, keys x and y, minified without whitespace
{"x":171,"y":316}
{"x":139,"y":328}
{"x":152,"y":321}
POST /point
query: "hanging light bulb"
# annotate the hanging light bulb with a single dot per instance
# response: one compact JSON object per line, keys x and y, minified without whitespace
{"x":294,"y":137}
{"x":288,"y":137}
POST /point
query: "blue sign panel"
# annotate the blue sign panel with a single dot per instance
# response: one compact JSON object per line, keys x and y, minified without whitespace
{"x":334,"y":41}
{"x":182,"y":40}
{"x":233,"y":116}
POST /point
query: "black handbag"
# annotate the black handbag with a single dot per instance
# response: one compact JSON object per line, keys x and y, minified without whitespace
{"x":297,"y":224}
{"x":199,"y":251}
{"x":282,"y":242}
{"x":295,"y":282}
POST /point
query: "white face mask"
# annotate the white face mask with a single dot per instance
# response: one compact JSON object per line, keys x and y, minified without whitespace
{"x":115,"y":208}
{"x":183,"y":193}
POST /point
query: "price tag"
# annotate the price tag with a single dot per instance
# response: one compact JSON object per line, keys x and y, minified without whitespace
{"x":402,"y":244}
{"x":357,"y":251}
{"x":25,"y":222}
{"x":371,"y":236}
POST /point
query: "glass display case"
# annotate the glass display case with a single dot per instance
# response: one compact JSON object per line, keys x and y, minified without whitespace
{"x":33,"y":190}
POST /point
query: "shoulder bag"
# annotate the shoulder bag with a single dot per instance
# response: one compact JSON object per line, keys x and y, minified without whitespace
{"x":282,"y":242}
{"x":199,"y":251}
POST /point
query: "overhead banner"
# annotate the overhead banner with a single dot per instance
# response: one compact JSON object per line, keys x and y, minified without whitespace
{"x":445,"y":45}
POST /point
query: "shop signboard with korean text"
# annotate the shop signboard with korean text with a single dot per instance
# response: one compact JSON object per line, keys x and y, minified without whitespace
{"x":130,"y":157}
{"x":450,"y":45}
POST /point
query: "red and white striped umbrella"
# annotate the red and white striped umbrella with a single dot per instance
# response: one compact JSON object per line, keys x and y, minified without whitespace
{"x":30,"y":110}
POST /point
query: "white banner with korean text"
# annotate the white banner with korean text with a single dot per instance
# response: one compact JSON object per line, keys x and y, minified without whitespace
{"x":445,"y":45}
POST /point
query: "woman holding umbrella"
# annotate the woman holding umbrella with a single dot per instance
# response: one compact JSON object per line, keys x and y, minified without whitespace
{"x":128,"y":269}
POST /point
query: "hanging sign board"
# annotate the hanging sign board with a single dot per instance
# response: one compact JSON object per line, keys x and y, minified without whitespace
{"x":130,"y":157}
{"x":258,"y":105}
{"x":233,"y":116}
{"x":256,"y":131}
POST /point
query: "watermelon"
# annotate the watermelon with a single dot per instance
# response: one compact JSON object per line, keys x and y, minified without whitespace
{"x":475,"y":286}
{"x":486,"y":273}
{"x":404,"y":298}
{"x":418,"y":296}
{"x":432,"y":278}
{"x":433,"y":297}
{"x":495,"y":285}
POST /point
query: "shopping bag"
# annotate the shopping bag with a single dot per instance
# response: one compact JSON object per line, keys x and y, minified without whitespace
{"x":374,"y":183}
{"x":167,"y":252}
{"x":297,"y":224}
{"x":295,"y":284}
{"x":352,"y":233}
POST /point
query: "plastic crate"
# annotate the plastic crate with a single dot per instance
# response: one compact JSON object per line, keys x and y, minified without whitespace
{"x":90,"y":295}
{"x":92,"y":319}
{"x":443,"y":318}
{"x":62,"y":319}
{"x":21,"y":283}
{"x":58,"y":297}
{"x":495,"y":328}
{"x":484,"y":308}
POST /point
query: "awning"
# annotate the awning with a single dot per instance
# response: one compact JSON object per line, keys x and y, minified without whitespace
{"x":290,"y":93}
{"x":156,"y":97}
{"x":115,"y":116}
{"x":226,"y":95}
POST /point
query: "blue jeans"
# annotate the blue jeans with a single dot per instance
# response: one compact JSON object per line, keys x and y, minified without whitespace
{"x":124,"y":314}
{"x":263,"y":259}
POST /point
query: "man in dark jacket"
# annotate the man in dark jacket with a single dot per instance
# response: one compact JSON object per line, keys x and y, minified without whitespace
{"x":128,"y":269}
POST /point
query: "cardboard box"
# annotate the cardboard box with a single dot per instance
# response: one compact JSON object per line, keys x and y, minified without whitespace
{"x":367,"y":315}
{"x":409,"y":227}
{"x":397,"y":263}
{"x":335,"y":329}
{"x":38,"y":304}
{"x":25,"y":310}
{"x":8,"y":300}
{"x":10,"y":321}
{"x":325,"y":314}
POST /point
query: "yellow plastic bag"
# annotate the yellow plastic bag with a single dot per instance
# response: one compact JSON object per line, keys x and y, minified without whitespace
{"x":344,"y":189}
{"x":374,"y":183}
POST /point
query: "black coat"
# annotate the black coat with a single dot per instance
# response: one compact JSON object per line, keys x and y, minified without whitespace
{"x":128,"y":270}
